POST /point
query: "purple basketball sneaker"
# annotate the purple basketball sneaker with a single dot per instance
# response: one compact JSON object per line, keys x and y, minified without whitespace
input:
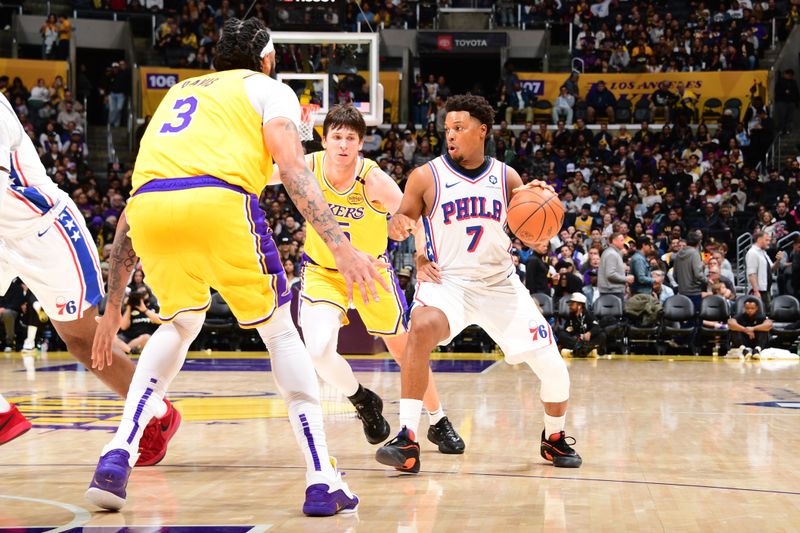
{"x":330,"y":498}
{"x":107,"y":489}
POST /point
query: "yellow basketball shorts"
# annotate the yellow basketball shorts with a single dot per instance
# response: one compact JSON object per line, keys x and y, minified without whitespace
{"x":386,"y":317}
{"x":195,"y":233}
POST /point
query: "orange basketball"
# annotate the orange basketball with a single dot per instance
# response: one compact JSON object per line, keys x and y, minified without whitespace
{"x":535,"y":214}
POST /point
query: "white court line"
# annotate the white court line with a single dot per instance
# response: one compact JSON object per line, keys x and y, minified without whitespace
{"x":81,"y":515}
{"x":260,"y":529}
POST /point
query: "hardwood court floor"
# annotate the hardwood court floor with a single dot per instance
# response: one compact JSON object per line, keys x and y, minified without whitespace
{"x":685,"y":444}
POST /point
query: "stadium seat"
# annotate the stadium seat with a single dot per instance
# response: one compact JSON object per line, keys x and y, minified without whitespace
{"x":542,"y":110}
{"x":608,"y":311}
{"x":579,"y":110}
{"x":712,"y":110}
{"x":644,"y":334}
{"x":642,"y":111}
{"x":218,"y":326}
{"x":546,"y":303}
{"x":563,"y":307}
{"x":715,"y":309}
{"x":784,"y":310}
{"x":677,"y":322}
{"x":623,"y":111}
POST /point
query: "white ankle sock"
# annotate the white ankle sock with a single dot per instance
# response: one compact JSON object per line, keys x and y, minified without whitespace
{"x":31,"y":338}
{"x":410,"y":413}
{"x":553,"y":424}
{"x":4,"y":405}
{"x":161,"y":359}
{"x":297,"y":382}
{"x":435,"y":416}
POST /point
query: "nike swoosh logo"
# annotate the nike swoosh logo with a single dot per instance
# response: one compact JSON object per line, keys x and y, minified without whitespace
{"x":448,"y":185}
{"x":41,"y":233}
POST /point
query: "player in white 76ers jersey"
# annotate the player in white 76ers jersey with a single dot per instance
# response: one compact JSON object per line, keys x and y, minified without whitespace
{"x":44,"y":241}
{"x":468,"y":278}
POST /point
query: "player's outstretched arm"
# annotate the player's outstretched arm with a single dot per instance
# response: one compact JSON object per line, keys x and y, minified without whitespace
{"x":404,"y":221}
{"x":357,"y":268}
{"x":122,"y":262}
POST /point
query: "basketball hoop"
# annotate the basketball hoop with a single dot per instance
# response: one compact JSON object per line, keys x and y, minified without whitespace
{"x":307,"y":115}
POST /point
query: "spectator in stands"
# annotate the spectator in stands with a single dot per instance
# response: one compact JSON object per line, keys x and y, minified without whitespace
{"x":642,"y":280}
{"x":119,"y":89}
{"x":660,"y":291}
{"x":611,"y":276}
{"x":290,"y":269}
{"x":620,"y":59}
{"x":423,"y":155}
{"x":662,"y":100}
{"x":787,"y":99}
{"x":404,"y":279}
{"x":571,"y":84}
{"x":536,"y":270}
{"x":563,"y":106}
{"x":689,"y":273}
{"x":759,"y":267}
{"x":49,"y":32}
{"x":10,"y":309}
{"x":64,"y":34}
{"x":69,"y":114}
{"x":750,"y":328}
{"x":600,"y":102}
{"x":581,"y":334}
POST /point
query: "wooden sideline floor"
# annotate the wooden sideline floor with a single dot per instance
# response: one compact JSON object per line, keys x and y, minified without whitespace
{"x":669,"y":444}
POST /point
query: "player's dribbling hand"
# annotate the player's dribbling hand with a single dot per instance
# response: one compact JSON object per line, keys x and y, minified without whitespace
{"x":536,"y":183}
{"x":360,"y":269}
{"x":104,"y":336}
{"x":400,"y":227}
{"x":428,"y":270}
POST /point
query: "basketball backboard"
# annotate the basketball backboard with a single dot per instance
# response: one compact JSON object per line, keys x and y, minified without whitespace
{"x":328,"y":68}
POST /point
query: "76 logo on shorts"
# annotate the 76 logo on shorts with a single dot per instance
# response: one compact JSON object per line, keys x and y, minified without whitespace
{"x":538,"y":331}
{"x":63,"y":305}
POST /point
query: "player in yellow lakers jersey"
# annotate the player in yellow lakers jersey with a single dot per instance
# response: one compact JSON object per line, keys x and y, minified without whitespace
{"x":361,"y":197}
{"x":195,"y":223}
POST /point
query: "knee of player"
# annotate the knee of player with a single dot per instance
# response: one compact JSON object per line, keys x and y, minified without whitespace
{"x":318,"y":346}
{"x":428,"y":327}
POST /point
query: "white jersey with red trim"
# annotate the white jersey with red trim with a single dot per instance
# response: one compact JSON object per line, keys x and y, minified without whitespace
{"x":465,"y":228}
{"x":30,"y":193}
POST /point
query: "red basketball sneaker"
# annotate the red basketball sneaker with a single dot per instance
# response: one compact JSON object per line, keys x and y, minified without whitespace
{"x":156,"y":436}
{"x":12,"y":424}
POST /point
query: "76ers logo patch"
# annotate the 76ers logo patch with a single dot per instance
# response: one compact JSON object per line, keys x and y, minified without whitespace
{"x":66,"y":307}
{"x":493,"y":180}
{"x":538,"y":331}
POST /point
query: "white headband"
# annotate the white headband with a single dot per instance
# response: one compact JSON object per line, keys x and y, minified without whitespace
{"x":267,"y":49}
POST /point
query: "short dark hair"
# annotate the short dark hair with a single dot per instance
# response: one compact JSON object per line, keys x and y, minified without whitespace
{"x":475,"y":105}
{"x":344,"y":116}
{"x":643,"y":241}
{"x":693,"y":238}
{"x":240,"y":44}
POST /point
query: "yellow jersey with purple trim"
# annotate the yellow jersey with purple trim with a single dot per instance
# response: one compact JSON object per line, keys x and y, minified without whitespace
{"x":363,"y":221}
{"x":191,"y":132}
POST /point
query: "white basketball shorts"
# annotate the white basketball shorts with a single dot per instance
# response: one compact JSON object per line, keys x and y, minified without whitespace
{"x":504,"y":309}
{"x":57,"y":259}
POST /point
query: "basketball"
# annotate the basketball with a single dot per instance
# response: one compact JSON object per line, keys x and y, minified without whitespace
{"x":535,"y":214}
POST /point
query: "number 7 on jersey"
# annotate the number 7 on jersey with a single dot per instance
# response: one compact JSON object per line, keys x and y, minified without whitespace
{"x":476,"y":232}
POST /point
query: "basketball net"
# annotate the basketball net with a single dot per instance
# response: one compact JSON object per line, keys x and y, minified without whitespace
{"x":306,"y":130}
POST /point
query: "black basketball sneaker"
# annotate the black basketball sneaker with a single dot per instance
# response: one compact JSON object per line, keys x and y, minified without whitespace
{"x":369,"y":408}
{"x":557,"y":450}
{"x":402,"y":452}
{"x":444,"y":435}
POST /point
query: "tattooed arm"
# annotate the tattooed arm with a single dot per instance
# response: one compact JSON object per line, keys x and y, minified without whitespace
{"x":283,"y":142}
{"x":122,"y":262}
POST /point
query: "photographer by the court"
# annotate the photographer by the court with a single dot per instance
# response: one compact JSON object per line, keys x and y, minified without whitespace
{"x":139,"y":320}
